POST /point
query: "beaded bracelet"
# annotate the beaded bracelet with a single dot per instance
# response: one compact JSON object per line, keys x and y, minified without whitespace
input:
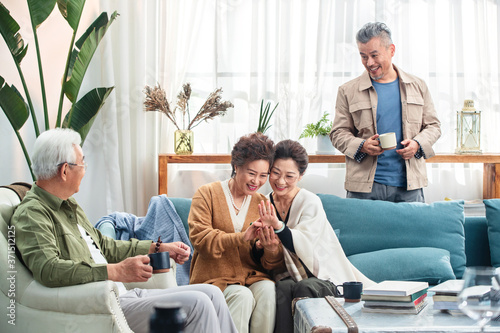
{"x":157,"y":247}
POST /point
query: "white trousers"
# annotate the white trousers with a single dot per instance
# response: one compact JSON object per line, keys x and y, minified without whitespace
{"x":253,"y":306}
{"x":204,"y":305}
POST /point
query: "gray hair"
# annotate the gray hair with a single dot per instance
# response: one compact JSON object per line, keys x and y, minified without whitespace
{"x":53,"y":147}
{"x":375,"y":29}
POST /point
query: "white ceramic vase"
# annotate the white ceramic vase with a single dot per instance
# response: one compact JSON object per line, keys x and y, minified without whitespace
{"x":325,"y":146}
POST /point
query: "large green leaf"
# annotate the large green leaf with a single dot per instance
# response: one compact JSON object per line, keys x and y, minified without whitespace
{"x":16,"y":110}
{"x":99,"y":22}
{"x":13,"y":105}
{"x":80,"y":60}
{"x":40,"y":10}
{"x":82,"y":114}
{"x":71,"y":10}
{"x":10,"y":33}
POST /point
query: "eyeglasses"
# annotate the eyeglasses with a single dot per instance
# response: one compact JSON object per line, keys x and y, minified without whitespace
{"x":289,"y":179}
{"x":84,"y":165}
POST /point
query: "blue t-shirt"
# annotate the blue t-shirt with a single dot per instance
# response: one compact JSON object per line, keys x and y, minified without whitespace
{"x":391,"y":168}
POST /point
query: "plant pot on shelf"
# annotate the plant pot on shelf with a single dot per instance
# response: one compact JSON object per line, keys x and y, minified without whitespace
{"x":325,"y":146}
{"x":183,"y":142}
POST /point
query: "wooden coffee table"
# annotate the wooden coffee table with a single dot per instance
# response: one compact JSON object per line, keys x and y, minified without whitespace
{"x":313,"y":313}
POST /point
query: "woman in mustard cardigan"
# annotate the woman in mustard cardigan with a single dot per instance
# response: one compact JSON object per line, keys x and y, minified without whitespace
{"x":225,"y":251}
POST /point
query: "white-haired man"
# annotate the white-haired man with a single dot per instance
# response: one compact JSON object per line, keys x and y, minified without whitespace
{"x":60,"y":246}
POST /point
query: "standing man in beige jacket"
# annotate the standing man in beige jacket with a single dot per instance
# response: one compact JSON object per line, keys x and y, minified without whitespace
{"x":384,"y":99}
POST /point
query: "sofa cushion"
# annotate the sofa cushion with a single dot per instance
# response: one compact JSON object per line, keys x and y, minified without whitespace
{"x":182,"y":207}
{"x":428,"y":264}
{"x":477,"y":248}
{"x":493,"y":218}
{"x":372,"y":225}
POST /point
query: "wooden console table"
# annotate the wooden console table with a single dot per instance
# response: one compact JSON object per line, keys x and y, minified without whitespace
{"x":491,"y":166}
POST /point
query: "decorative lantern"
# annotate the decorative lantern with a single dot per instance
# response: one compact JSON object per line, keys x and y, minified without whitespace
{"x":468,"y":129}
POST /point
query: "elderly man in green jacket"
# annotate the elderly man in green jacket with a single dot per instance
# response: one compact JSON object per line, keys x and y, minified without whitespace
{"x":61,"y":248}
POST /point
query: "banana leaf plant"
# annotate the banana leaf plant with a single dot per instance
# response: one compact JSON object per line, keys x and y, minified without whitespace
{"x":82,"y":112}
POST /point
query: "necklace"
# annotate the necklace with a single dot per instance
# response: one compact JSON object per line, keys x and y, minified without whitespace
{"x":232,"y":200}
{"x":283,"y":209}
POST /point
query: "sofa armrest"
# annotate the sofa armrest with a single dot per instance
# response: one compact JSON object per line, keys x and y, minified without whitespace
{"x":108,"y":229}
{"x":90,"y":298}
{"x":158,"y":280}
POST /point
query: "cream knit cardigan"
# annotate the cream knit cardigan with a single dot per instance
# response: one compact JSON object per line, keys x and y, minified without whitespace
{"x":316,"y":244}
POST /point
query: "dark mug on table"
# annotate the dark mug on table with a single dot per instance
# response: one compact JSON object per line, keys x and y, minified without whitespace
{"x":351,"y":291}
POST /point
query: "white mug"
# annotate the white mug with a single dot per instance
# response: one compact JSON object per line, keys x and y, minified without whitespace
{"x":387,"y":140}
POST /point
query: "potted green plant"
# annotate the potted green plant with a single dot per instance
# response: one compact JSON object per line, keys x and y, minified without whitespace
{"x":265,"y":116}
{"x":321,"y":130}
{"x":82,"y":112}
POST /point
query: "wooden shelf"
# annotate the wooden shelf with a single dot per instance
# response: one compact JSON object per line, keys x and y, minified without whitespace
{"x":491,"y":165}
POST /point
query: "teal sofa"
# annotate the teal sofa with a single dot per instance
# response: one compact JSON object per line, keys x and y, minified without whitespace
{"x":404,"y":241}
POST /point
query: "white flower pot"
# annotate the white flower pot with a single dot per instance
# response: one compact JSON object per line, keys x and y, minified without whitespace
{"x":325,"y":146}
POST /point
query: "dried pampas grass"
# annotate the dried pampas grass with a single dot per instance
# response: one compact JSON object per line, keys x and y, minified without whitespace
{"x":156,"y":100}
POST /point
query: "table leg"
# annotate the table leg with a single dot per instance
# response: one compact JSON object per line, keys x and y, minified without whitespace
{"x":162,"y":175}
{"x":491,"y":181}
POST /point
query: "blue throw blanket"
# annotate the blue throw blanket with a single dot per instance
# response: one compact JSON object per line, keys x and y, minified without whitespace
{"x":160,"y":220}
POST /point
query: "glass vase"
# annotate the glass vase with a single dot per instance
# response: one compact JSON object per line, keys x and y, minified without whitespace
{"x":183,"y":142}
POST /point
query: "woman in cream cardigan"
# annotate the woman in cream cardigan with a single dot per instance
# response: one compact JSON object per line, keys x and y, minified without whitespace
{"x":315,"y":261}
{"x":225,"y":252}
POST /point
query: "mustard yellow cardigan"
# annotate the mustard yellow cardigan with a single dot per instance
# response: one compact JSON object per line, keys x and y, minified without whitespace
{"x":221,"y":256}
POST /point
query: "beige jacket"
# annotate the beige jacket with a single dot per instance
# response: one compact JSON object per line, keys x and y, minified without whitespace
{"x":221,"y":256}
{"x":355,"y":121}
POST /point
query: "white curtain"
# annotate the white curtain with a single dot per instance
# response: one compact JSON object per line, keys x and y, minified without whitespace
{"x":295,"y":52}
{"x":298,"y":53}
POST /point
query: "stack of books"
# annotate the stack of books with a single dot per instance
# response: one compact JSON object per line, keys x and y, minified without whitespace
{"x":446,"y":295}
{"x":405,"y":297}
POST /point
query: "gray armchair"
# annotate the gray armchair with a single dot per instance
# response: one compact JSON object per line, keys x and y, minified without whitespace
{"x":92,"y":307}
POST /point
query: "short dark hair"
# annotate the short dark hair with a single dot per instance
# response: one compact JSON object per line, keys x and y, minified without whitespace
{"x":252,"y":147}
{"x":374,"y":29}
{"x":294,"y":150}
